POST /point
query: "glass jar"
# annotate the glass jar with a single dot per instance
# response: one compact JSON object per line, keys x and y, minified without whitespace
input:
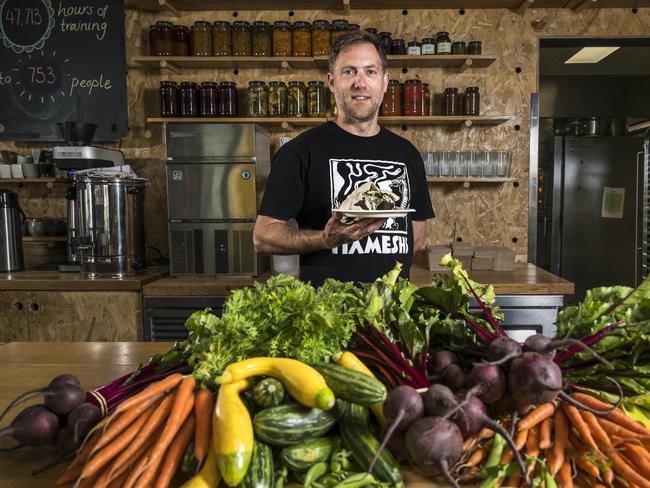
{"x":262,"y":39}
{"x":352,"y":27}
{"x":258,"y":99}
{"x":168,"y":99}
{"x":443,"y":43}
{"x":277,"y":98}
{"x":332,"y":109}
{"x":316,"y":99}
{"x":301,"y":39}
{"x":385,"y":41}
{"x":221,"y":38}
{"x":391,"y":105}
{"x":414,"y":48}
{"x":282,"y":38}
{"x":413,"y":97}
{"x":371,"y":30}
{"x":201,"y":38}
{"x":160,"y":39}
{"x":397,"y":46}
{"x":321,"y":39}
{"x":209,"y":97}
{"x":474,"y":47}
{"x":296,"y":99}
{"x":227,"y":99}
{"x":426,"y":99}
{"x":241,"y":38}
{"x":188,"y":100}
{"x":450,"y":101}
{"x":181,"y":40}
{"x":458,"y":48}
{"x":472,"y":101}
{"x":428,"y":45}
{"x":339,"y":27}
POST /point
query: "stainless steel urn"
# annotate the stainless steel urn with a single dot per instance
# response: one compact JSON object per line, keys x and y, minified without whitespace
{"x":110,"y":222}
{"x":11,"y":238}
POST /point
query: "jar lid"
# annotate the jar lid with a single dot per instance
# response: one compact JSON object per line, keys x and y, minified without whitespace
{"x":393,"y":82}
{"x":301,"y":24}
{"x":277,"y":83}
{"x":296,"y":83}
{"x":459,"y":43}
{"x":282,"y":24}
{"x":398,"y":41}
{"x":256,"y":83}
{"x":475,"y":43}
{"x":372,"y":30}
{"x":203,"y":24}
{"x":208,"y":83}
{"x":261,"y":24}
{"x":320,"y":23}
{"x":221,"y":23}
{"x":164,"y":23}
{"x":354,"y":27}
{"x":472,"y":88}
{"x":428,"y":40}
{"x":339,"y":22}
{"x":442,"y":34}
{"x":384,"y":34}
{"x":315,"y":83}
{"x":187,"y":83}
{"x":241,"y":24}
{"x":227,"y":83}
{"x":413,"y":43}
{"x":168,"y":83}
{"x":183,"y":28}
{"x":414,"y":81}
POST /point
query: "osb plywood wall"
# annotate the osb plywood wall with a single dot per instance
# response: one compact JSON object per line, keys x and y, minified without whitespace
{"x":488,"y":215}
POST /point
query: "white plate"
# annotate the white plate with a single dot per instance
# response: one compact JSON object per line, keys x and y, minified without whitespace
{"x":374,"y":214}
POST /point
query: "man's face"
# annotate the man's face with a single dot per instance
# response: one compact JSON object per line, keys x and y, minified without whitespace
{"x":358,"y":82}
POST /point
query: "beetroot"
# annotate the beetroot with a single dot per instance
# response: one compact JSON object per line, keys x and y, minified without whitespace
{"x":488,"y":381}
{"x":534,"y":378}
{"x":503,"y":350}
{"x":439,"y":360}
{"x":439,"y":400}
{"x":64,"y":398}
{"x":81,"y":419}
{"x":453,"y":377}
{"x":34,"y":426}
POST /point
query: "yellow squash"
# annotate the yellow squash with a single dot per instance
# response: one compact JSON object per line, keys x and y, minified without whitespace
{"x":232,"y":433}
{"x":303,"y":382}
{"x":208,"y":477}
{"x":350,"y":361}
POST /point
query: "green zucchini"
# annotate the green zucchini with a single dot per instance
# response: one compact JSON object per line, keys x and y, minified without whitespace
{"x":260,"y":471}
{"x":300,"y":457}
{"x":352,"y":385}
{"x":268,"y":393}
{"x":293,"y":423}
{"x":359,"y":440}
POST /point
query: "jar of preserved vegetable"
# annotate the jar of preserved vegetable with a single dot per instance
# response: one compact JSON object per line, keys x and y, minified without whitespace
{"x":277,"y":98}
{"x":321,"y":39}
{"x":282,"y":38}
{"x":371,"y":30}
{"x":332,"y":109}
{"x":450,"y":101}
{"x":474,"y":48}
{"x":209,"y":97}
{"x":258,"y":99}
{"x":443,"y":43}
{"x":201,"y":38}
{"x":339,"y":27}
{"x":316,"y":99}
{"x":472,"y":100}
{"x":458,"y":48}
{"x":301,"y":39}
{"x":352,"y":27}
{"x":385,"y":41}
{"x":398,"y":46}
{"x":168,"y":99}
{"x":296,"y":99}
{"x":413,"y":97}
{"x":221,"y":38}
{"x":160,"y":39}
{"x":181,"y":40}
{"x":414,"y":48}
{"x":188,"y":99}
{"x":227,"y":99}
{"x":391,"y":105}
{"x":426,"y":99}
{"x":262,"y":39}
{"x":428,"y":45}
{"x":241,"y":38}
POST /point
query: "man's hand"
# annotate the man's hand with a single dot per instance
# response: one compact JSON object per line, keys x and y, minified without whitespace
{"x":337,"y":233}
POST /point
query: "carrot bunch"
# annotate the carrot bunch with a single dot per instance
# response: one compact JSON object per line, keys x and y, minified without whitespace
{"x":143,"y":441}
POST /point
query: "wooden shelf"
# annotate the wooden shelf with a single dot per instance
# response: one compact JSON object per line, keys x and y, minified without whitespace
{"x":467,"y":182}
{"x":286,"y":122}
{"x":44,"y":238}
{"x":48,"y":182}
{"x":176,"y":64}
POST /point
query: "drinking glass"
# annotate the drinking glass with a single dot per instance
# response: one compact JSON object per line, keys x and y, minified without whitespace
{"x":446,"y":170}
{"x":489,"y":159}
{"x":502,"y":164}
{"x":475,"y":164}
{"x":458,"y":164}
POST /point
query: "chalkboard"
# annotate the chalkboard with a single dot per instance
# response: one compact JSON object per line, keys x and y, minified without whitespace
{"x":62,"y":60}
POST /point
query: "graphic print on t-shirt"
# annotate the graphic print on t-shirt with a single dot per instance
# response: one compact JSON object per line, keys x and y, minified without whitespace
{"x":346,"y":175}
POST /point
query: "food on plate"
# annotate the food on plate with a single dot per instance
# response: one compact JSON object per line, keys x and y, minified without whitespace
{"x":370,"y":197}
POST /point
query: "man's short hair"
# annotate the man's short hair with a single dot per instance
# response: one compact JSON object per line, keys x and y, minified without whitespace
{"x":356,"y":37}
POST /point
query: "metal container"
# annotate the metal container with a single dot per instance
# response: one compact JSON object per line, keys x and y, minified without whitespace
{"x":11,"y":239}
{"x":594,"y":126}
{"x":110,"y":225}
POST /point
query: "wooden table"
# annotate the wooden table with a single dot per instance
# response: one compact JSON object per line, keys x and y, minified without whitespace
{"x":28,"y":365}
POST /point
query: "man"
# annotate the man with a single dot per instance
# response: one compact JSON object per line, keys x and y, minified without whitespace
{"x":314,"y":173}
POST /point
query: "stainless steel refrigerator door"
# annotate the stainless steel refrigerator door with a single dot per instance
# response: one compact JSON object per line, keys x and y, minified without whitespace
{"x":211,"y":191}
{"x":598,"y":250}
{"x":213,"y":141}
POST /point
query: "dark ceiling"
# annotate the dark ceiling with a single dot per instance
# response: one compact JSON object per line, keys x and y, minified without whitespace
{"x":624,"y":61}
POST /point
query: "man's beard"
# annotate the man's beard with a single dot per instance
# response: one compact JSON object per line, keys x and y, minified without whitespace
{"x":350,"y":116}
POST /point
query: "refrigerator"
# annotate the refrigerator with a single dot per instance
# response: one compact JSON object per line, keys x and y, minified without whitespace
{"x":593,"y":210}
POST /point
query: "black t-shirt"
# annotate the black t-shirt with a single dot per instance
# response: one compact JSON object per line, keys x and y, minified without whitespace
{"x":317,"y":170}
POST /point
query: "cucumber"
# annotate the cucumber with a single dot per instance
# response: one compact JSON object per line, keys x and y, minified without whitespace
{"x":293,"y":423}
{"x":359,"y":440}
{"x":352,"y":385}
{"x":300,"y":457}
{"x":260,"y":473}
{"x":268,"y":393}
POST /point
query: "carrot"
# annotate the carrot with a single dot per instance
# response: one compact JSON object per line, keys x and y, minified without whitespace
{"x":597,"y":431}
{"x":520,"y":439}
{"x":469,"y":443}
{"x":76,"y":466}
{"x":542,"y":412}
{"x":639,"y":458}
{"x":625,"y":470}
{"x":128,"y":456}
{"x":617,"y":415}
{"x":614,"y":429}
{"x":159,"y":387}
{"x":183,"y":404}
{"x":118,"y":482}
{"x":566,"y":481}
{"x":175,"y":453}
{"x":476,"y":457}
{"x":532,"y":444}
{"x":586,"y":464}
{"x":514,"y":479}
{"x":102,"y":481}
{"x":203,"y":405}
{"x":545,"y":433}
{"x":560,"y":441}
{"x":579,"y":424}
{"x":138,"y":467}
{"x":485,"y":433}
{"x":506,"y":457}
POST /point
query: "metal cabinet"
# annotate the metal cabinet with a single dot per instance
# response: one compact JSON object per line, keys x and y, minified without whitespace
{"x":164,"y":317}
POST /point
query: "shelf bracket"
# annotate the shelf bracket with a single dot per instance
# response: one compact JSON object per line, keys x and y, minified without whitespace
{"x":346,"y":7}
{"x":285,"y":65}
{"x":167,"y":5}
{"x":466,"y":64}
{"x":466,"y":184}
{"x":523,"y":6}
{"x":170,"y":66}
{"x":287,"y":126}
{"x":584,"y":5}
